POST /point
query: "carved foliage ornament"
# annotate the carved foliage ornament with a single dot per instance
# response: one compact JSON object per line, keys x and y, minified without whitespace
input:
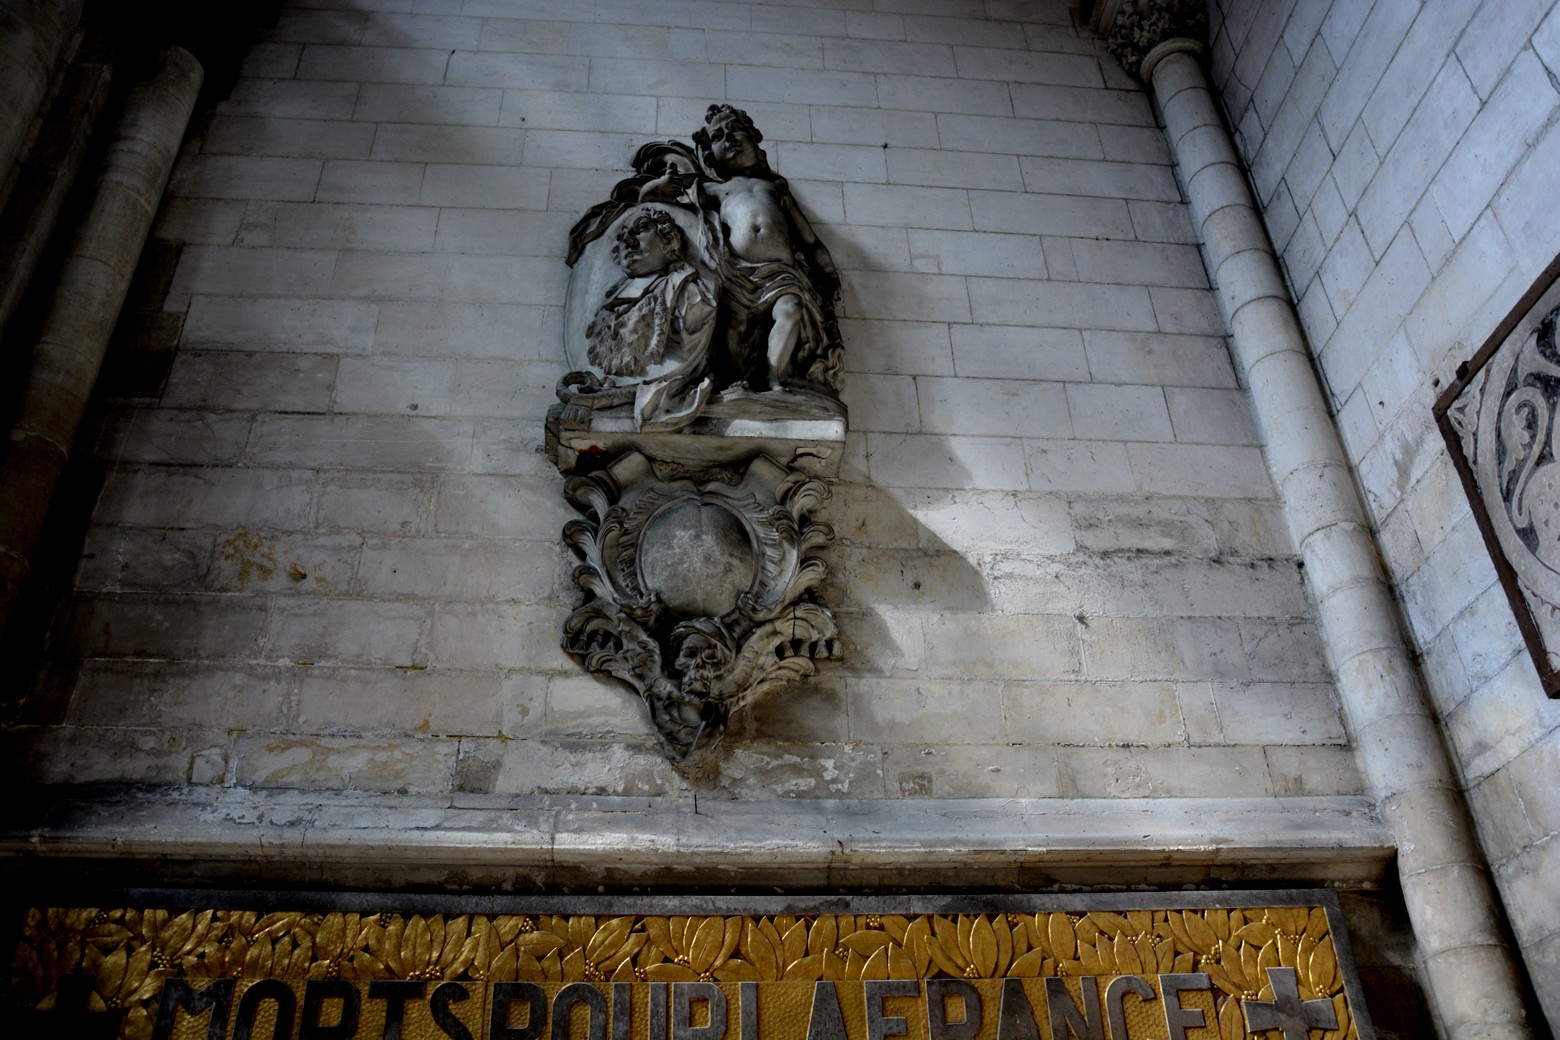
{"x":699,"y":593}
{"x":1139,"y":26}
{"x":1501,"y":420}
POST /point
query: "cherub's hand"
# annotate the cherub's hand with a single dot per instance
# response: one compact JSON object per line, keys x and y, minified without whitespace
{"x":665,"y":188}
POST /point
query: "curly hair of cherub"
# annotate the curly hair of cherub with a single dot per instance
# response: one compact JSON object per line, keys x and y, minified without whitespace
{"x":724,"y":113}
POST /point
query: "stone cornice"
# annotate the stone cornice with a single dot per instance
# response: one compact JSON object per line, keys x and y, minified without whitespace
{"x":285,"y":838}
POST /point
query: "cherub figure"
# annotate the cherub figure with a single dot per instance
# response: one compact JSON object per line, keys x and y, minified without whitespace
{"x":778,"y":279}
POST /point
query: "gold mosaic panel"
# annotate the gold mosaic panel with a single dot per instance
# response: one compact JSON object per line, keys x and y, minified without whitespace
{"x":105,"y":972}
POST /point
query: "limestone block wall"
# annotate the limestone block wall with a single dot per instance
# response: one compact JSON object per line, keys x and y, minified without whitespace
{"x":327,"y":555}
{"x":1406,"y":159}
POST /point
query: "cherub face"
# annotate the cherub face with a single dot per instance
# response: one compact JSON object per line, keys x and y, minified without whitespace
{"x":640,"y":249}
{"x":732,"y":144}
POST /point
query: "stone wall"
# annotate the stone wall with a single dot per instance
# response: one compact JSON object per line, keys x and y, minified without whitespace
{"x":327,"y":556}
{"x":1405,"y":157}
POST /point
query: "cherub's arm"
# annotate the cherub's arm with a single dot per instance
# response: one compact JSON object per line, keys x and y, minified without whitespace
{"x":669,"y":187}
{"x":811,"y":245}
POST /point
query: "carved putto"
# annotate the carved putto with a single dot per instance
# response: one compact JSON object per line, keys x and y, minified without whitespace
{"x":701,"y":407}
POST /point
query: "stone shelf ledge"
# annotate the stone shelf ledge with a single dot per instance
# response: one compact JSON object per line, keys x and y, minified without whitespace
{"x":563,"y":843}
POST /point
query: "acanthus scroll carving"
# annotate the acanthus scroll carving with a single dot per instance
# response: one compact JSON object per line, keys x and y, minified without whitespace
{"x":699,"y":594}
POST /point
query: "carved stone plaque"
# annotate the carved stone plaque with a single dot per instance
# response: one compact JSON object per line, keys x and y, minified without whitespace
{"x":699,"y":592}
{"x":1501,"y":420}
{"x":1274,"y":965}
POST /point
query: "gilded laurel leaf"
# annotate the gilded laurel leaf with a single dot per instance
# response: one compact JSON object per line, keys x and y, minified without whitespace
{"x":417,"y":949}
{"x":1316,"y":923}
{"x":659,"y":930}
{"x":1163,"y":956}
{"x":1111,"y":924}
{"x":1259,"y":933}
{"x":528,"y":968}
{"x":901,"y":965}
{"x":487,"y":943}
{"x":704,"y":950}
{"x":896,"y":925}
{"x":573,"y":965}
{"x":984,"y":954}
{"x":606,"y":941}
{"x":736,"y":970}
{"x":917,"y":938}
{"x":1062,"y":936}
{"x":1140,"y":922}
{"x":761,"y":951}
{"x":1346,"y":1028}
{"x":866,"y":943}
{"x":274,"y":926}
{"x":666,"y":971}
{"x":1086,"y":930}
{"x":1200,"y":936}
{"x":506,"y":966}
{"x":1028,"y":965}
{"x":1184,"y":963}
{"x":1267,"y":957}
{"x":731,"y":938}
{"x":1126,"y":955}
{"x":1288,"y":949}
{"x":581,"y":928}
{"x":795,"y":943}
{"x":1322,"y":971}
{"x":1097,"y":959}
{"x":1232,"y":1022}
{"x":946,"y":934}
{"x":946,"y":961}
{"x":805,"y":969}
{"x":1022,"y":936}
{"x":539,"y":944}
{"x":1250,"y":972}
{"x":824,"y":934}
{"x":876,"y":965}
{"x":1004,"y":936}
{"x":1220,"y":976}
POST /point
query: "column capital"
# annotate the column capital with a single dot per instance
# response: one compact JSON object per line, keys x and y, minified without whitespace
{"x":1133,"y":29}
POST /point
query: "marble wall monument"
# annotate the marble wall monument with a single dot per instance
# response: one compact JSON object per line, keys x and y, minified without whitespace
{"x":698,"y":424}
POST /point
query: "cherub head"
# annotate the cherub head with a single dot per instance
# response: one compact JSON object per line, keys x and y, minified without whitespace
{"x":648,"y":243}
{"x":729,"y":142}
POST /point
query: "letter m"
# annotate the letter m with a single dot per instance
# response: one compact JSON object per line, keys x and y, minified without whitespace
{"x":178,"y":993}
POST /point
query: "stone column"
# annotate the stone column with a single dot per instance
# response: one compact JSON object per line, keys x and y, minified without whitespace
{"x":104,"y":248}
{"x":34,"y":35}
{"x":1471,"y":970}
